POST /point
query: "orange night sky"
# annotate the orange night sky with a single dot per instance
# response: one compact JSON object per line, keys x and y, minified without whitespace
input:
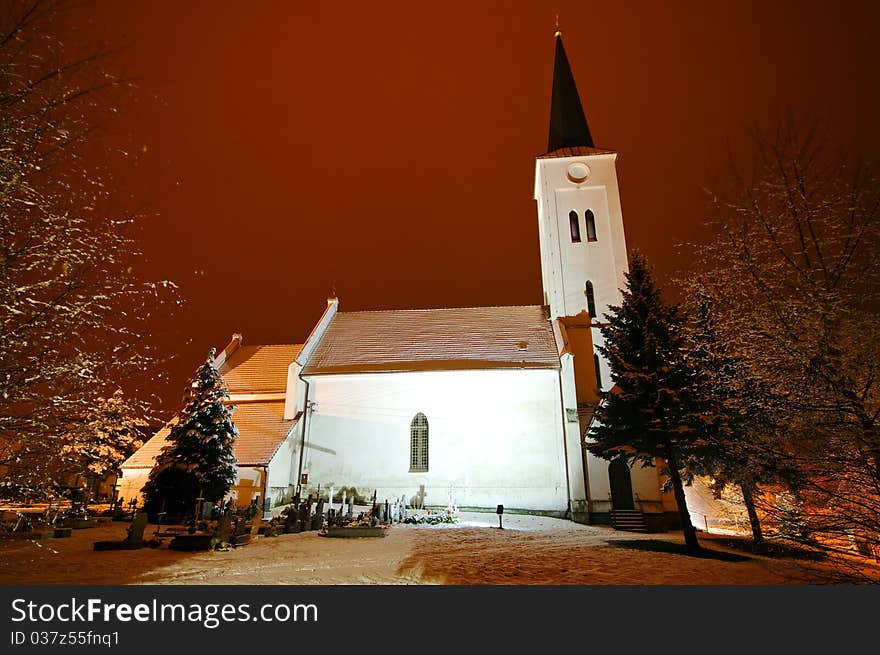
{"x":279,"y":148}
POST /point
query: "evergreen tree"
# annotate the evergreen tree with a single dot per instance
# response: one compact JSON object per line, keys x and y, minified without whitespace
{"x":650,"y":411}
{"x":199,"y":458}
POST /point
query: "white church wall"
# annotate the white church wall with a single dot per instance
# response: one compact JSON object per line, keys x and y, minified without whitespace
{"x":569,"y":265}
{"x":495,"y":436}
{"x":548,"y":238}
{"x":600,"y":485}
{"x":566,"y":266}
{"x":281,"y":469}
{"x":587,"y":260}
{"x":574,"y":450}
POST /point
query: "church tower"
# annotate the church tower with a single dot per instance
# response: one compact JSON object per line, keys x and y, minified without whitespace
{"x":583,"y":263}
{"x":583,"y":250}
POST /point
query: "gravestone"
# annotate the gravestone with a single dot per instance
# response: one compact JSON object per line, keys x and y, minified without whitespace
{"x":291,"y":520}
{"x":224,"y":528}
{"x":240,"y":534}
{"x":133,"y":540}
{"x":305,"y":510}
{"x":318,"y":518}
{"x":135,"y":536}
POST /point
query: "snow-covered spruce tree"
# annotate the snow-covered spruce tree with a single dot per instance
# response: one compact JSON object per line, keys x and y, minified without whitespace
{"x":199,"y":459}
{"x":649,"y":413}
{"x":75,"y":319}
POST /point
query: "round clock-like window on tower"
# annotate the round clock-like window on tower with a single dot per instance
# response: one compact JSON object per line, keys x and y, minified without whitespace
{"x":578,"y":172}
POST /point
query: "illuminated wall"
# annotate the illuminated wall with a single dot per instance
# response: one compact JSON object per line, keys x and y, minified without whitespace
{"x":495,"y":436}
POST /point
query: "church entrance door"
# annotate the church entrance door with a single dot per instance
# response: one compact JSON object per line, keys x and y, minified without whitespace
{"x":621,"y":484}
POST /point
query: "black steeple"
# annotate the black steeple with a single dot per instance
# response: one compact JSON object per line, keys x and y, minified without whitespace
{"x":568,"y":125}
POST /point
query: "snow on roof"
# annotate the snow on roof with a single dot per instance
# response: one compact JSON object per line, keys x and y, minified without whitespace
{"x":261,"y":430}
{"x":256,"y":369}
{"x":435,"y":339}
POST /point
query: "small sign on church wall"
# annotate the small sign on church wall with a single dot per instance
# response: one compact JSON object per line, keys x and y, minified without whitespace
{"x":571,"y":415}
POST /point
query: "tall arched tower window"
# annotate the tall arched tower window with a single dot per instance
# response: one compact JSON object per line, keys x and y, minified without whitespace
{"x":590,"y":220}
{"x":418,"y":443}
{"x":598,"y":370}
{"x":575,"y":226}
{"x":591,"y":299}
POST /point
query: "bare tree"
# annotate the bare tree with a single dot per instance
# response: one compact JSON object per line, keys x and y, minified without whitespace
{"x":112,"y":430}
{"x":796,"y":267}
{"x":739,"y":411}
{"x":73,"y":314}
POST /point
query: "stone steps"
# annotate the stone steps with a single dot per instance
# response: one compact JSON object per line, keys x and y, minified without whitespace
{"x":629,"y":520}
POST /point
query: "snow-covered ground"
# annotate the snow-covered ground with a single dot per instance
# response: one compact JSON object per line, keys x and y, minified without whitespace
{"x":529,"y":550}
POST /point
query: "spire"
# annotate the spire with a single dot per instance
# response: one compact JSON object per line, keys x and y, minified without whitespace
{"x":568,"y":125}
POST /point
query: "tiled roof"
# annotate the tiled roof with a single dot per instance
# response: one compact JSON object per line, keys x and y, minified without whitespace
{"x":261,"y":430}
{"x":436,"y":339}
{"x":577,"y":151}
{"x":259,"y":369}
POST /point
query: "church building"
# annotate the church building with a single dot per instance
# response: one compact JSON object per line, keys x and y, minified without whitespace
{"x":474,"y":406}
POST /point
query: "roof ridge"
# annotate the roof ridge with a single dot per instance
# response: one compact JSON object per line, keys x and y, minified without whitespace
{"x":271,"y":345}
{"x":437,"y":309}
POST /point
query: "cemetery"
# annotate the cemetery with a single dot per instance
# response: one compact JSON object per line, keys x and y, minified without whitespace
{"x":211,"y":527}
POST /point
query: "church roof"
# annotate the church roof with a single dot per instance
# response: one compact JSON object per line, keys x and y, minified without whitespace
{"x":259,"y":369}
{"x":261,"y":430}
{"x":568,"y":124}
{"x":435,"y":339}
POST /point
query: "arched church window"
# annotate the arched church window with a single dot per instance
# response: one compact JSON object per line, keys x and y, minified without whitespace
{"x":575,"y":226}
{"x":418,"y":443}
{"x":591,"y":299}
{"x":598,"y":371}
{"x":590,"y":220}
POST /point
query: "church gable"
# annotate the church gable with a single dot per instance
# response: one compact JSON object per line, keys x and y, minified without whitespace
{"x":435,"y":339}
